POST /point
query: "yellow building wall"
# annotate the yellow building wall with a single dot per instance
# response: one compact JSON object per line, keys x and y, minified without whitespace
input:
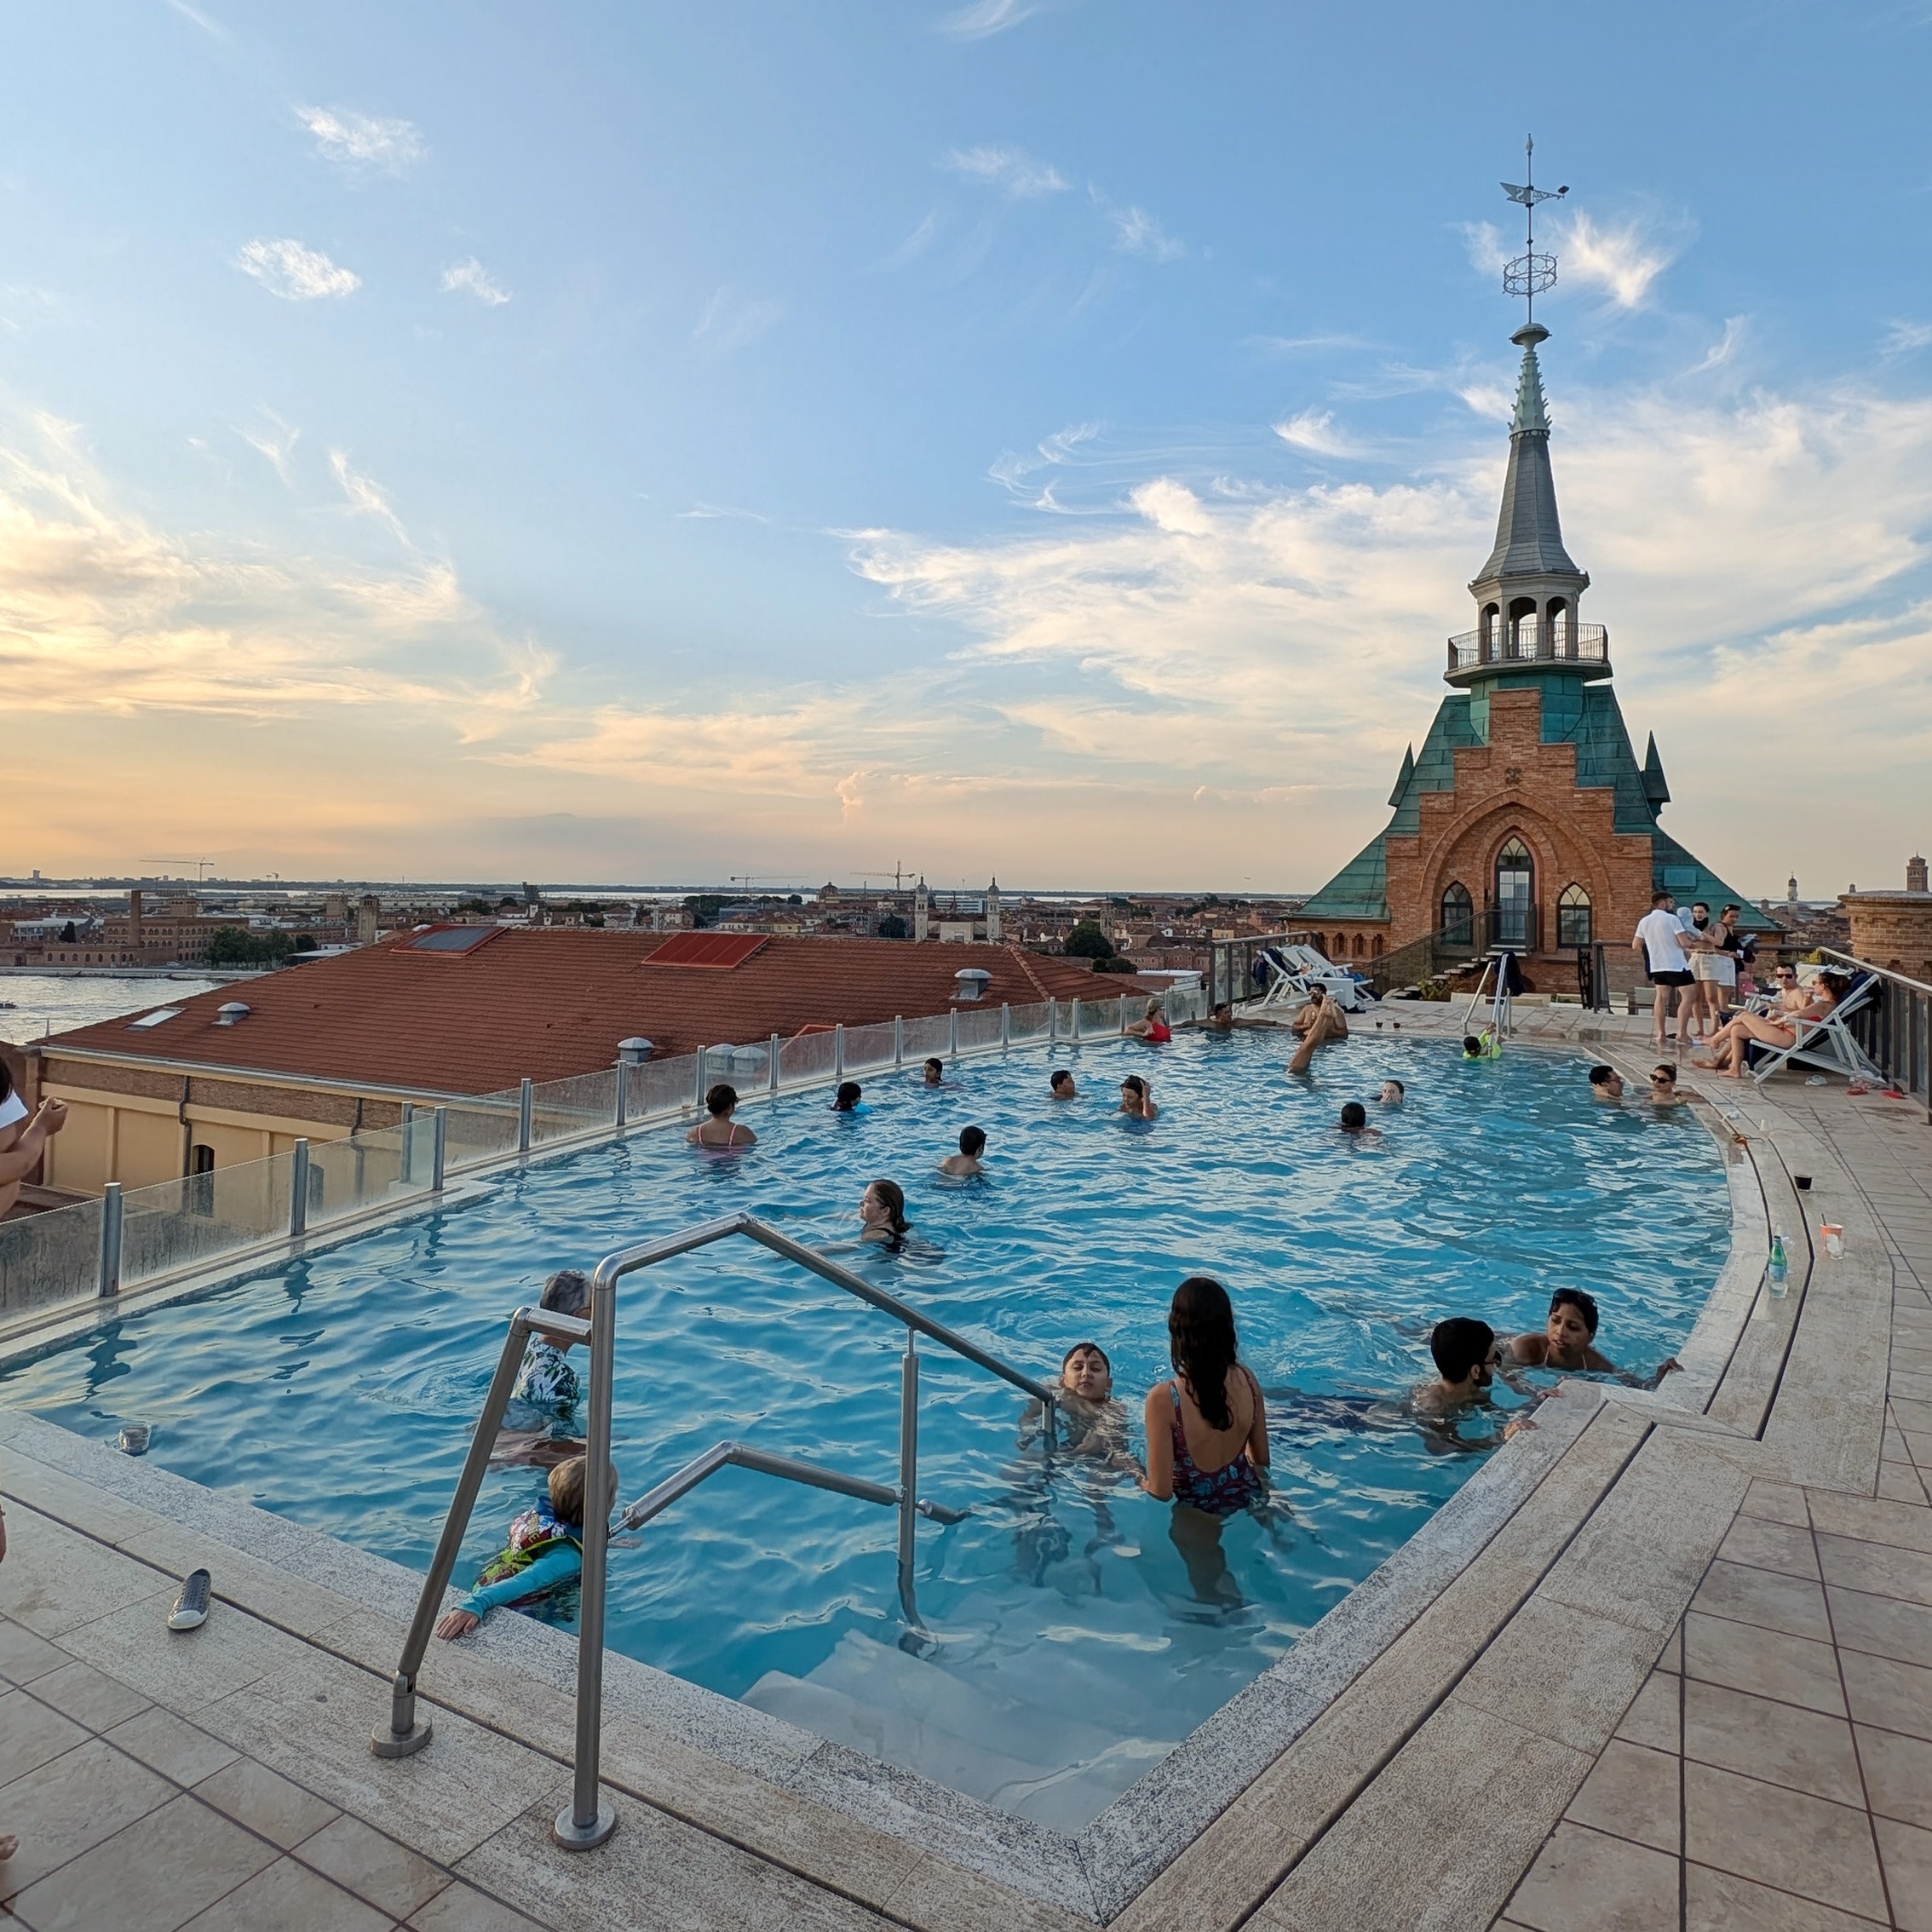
{"x":147,"y":1148}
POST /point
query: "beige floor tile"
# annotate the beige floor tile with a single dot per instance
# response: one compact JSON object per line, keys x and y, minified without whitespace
{"x":463,"y":1908}
{"x":1777,"y":1501}
{"x":1631,"y":1793}
{"x":89,"y":1696}
{"x":1767,"y":1545}
{"x":1803,"y":1749}
{"x":1784,"y":1838}
{"x":1878,"y":1567}
{"x":1898,"y":1774}
{"x":25,"y":1655}
{"x":171,"y":1746}
{"x":1884,"y":1626}
{"x":54,"y":1579}
{"x":1720,"y":1901}
{"x":1900,"y":1482}
{"x":1768,"y":1663}
{"x":1791,"y":1604}
{"x":150,"y":1877}
{"x":372,"y":1866}
{"x":1562,"y":1673}
{"x":1654,"y":1719}
{"x":32,"y":1735}
{"x":266,"y":1802}
{"x":69,"y":1804}
{"x":1673,"y":1656}
{"x":1584,"y":1882}
{"x":287,"y":1897}
{"x":1907,"y":1853}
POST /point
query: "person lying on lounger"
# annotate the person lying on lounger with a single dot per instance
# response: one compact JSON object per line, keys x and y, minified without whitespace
{"x":1729,"y":1046}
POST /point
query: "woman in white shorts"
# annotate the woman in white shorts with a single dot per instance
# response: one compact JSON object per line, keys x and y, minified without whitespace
{"x":1716,"y":971}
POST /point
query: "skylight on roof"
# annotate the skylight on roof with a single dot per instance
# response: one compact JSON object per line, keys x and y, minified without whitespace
{"x":447,"y":939}
{"x":153,"y":1019}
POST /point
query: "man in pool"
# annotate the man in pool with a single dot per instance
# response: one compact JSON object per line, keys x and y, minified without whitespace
{"x":964,"y":1164}
{"x":1394,"y":1093}
{"x":1462,"y":1348}
{"x":1606,"y":1084}
{"x":933,"y":1072}
{"x":1319,"y":1023}
{"x":1568,"y":1341}
{"x":1353,"y":1124}
{"x":1060,"y":1086}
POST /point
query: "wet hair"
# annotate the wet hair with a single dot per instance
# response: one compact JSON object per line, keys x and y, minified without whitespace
{"x":568,"y":1291}
{"x":567,"y":1488}
{"x":972,"y":1140}
{"x":1355,"y":1117}
{"x":1837,"y":983}
{"x":1731,"y":909}
{"x":1460,"y":1344}
{"x":1061,"y":1078}
{"x":1471,"y":1044}
{"x":1082,"y":1349}
{"x":1154,"y":1008}
{"x":1135,"y":1085}
{"x":893,"y":1197}
{"x":1583,"y":1303}
{"x":1397,"y":1085}
{"x":847,"y":1097}
{"x":721,"y":1100}
{"x":935,"y":1062}
{"x":1601,"y":1075}
{"x":1200,"y":1339}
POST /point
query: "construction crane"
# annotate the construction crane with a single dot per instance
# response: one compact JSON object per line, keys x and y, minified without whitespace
{"x":199,"y":874}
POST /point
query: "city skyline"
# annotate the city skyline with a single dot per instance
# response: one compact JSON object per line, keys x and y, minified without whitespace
{"x":686,"y":446}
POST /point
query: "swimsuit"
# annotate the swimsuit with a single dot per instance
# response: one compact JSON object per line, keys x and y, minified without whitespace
{"x":1159,"y":1031}
{"x":1221,"y":1492}
{"x":546,"y":1380}
{"x":729,"y":1141}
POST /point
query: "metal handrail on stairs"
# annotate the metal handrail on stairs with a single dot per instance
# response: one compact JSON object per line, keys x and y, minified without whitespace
{"x":586,"y":1822}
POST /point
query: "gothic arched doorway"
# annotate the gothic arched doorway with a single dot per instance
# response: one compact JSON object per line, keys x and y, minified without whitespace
{"x":1515,"y":896}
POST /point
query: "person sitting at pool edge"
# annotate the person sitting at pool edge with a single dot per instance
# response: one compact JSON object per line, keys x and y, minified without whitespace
{"x":881,"y":1214}
{"x":966,"y":1162}
{"x":1606,"y":1084}
{"x":1568,"y":1341}
{"x":1062,"y":1087}
{"x":543,"y":1552}
{"x":1135,"y":1101}
{"x":1207,"y":1426}
{"x":720,"y":1130}
{"x":1151,"y":1027}
{"x":1093,"y":1423}
{"x":934,"y":1072}
{"x":848,"y":1099}
{"x":1394,"y":1093}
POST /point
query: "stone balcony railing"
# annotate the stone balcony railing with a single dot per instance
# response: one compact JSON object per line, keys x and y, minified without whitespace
{"x":1529,"y":641}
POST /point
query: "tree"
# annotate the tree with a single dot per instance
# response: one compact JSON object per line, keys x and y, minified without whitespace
{"x":893,"y":926}
{"x":1088,"y":940}
{"x":795,"y":899}
{"x":231,"y":945}
{"x":704,"y":907}
{"x":1118,"y":964}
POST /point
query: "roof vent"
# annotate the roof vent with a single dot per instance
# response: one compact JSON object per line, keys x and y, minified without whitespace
{"x":634,"y":1051}
{"x":971,"y":982}
{"x":232,"y":1014}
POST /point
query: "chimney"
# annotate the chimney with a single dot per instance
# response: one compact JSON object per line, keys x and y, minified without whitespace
{"x":1915,"y":875}
{"x":367,"y":919}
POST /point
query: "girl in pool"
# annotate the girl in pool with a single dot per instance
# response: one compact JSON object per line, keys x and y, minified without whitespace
{"x":1136,"y":1099}
{"x":882,"y":1215}
{"x":543,"y":1552}
{"x":720,"y":1130}
{"x":1207,"y":1426}
{"x":848,"y":1098}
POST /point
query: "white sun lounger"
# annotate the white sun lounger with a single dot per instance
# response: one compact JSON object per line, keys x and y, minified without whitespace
{"x":1825,"y":1044}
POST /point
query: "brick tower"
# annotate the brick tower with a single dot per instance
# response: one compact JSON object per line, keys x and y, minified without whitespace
{"x":1525,"y":820}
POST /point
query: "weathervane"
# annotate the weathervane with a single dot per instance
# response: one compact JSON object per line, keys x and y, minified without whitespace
{"x":1530,"y":274}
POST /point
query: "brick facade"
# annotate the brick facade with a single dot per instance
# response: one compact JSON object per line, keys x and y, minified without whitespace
{"x":1892,"y":929}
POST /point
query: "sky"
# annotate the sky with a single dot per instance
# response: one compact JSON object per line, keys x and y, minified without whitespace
{"x":1039,"y":439}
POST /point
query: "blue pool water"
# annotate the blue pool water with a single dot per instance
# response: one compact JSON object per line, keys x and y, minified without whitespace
{"x":1077,"y":1641}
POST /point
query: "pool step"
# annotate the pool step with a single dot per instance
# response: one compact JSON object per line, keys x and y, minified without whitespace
{"x":957,"y":1728}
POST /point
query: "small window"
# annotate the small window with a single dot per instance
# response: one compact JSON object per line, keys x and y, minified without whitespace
{"x":1572,"y":916}
{"x":153,"y":1019}
{"x":1357,"y":946}
{"x":201,"y":1179}
{"x":1458,"y":914}
{"x":202,"y":1157}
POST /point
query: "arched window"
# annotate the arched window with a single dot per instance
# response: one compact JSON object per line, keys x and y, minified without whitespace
{"x":1572,"y":916}
{"x":1340,"y":949}
{"x":1376,"y":949}
{"x":1457,"y":911}
{"x":1515,"y":896}
{"x":1522,"y":628}
{"x":1490,"y":623}
{"x":1357,"y":948}
{"x":1558,"y":616}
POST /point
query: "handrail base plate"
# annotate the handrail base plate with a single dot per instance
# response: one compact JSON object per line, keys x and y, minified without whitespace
{"x":566,"y":1834}
{"x":386,"y":1743}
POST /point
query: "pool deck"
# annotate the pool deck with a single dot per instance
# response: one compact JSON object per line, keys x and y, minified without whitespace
{"x":1684,"y":1678}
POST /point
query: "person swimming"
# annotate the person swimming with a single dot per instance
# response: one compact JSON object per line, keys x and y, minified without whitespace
{"x":964,"y":1164}
{"x":543,"y":1552}
{"x":1353,"y":1124}
{"x":1207,"y":1425}
{"x":882,"y":1213}
{"x":849,"y":1098}
{"x":719,"y":1130}
{"x":1394,"y":1093}
{"x":1060,"y":1086}
{"x":544,"y":1396}
{"x":1568,"y":1341}
{"x":1136,"y":1101}
{"x":932,"y":1074}
{"x":1606,"y":1084}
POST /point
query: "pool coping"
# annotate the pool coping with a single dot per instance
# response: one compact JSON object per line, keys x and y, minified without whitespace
{"x":1094,"y":1875}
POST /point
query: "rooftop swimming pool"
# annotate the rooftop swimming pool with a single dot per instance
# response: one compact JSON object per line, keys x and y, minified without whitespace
{"x":1081,"y":1631}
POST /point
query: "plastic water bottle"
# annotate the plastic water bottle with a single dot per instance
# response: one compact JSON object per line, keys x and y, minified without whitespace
{"x":1776,"y":1274}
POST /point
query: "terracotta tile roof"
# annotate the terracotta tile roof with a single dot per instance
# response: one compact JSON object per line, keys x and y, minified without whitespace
{"x":550,"y":1001}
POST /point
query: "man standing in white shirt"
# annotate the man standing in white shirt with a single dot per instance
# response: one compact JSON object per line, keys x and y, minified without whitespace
{"x":1660,"y":939}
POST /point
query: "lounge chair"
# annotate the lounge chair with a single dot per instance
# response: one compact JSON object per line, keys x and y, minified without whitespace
{"x":1298,"y":967}
{"x":1825,"y":1044}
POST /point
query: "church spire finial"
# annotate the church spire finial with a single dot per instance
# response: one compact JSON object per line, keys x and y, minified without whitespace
{"x":1530,"y":274}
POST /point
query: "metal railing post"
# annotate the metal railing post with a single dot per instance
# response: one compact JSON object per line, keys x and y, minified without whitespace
{"x":1076,"y":1023}
{"x":908,"y":1472}
{"x":1052,"y":1020}
{"x":406,"y":1171}
{"x":771,"y":1070}
{"x":838,"y":1051}
{"x":109,"y":1278}
{"x":298,"y":1190}
{"x":898,"y":1042}
{"x":698,"y":1078}
{"x":953,"y":1048}
{"x":438,"y":1150}
{"x":524,"y":1107}
{"x":1122,"y":1013}
{"x":1005,"y":1027}
{"x":620,"y":1107}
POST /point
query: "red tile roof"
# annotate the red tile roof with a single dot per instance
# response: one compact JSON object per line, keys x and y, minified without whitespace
{"x":550,"y":1001}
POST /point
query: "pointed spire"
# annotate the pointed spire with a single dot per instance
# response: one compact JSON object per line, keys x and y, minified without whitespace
{"x":1529,"y":535}
{"x":1407,"y":772}
{"x":1654,"y":788}
{"x":1530,"y":414}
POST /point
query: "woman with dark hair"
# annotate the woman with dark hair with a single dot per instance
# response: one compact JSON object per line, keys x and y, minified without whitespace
{"x":1207,"y":1426}
{"x":1136,"y":1101}
{"x":1730,"y":1046}
{"x":720,"y":1130}
{"x":848,"y":1099}
{"x":882,"y":1213}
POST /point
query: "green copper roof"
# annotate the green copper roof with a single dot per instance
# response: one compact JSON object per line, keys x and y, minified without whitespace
{"x":1688,"y":880}
{"x":1359,"y":891}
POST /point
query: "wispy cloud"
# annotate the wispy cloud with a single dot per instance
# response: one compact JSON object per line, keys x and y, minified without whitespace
{"x":1906,"y":338}
{"x":1300,"y":345}
{"x":1010,"y":168}
{"x":982,"y":18}
{"x":214,"y":28}
{"x":1484,"y":242}
{"x":1727,"y":345}
{"x":1135,"y":232}
{"x":364,"y":141}
{"x":1314,"y":431}
{"x":472,"y":278}
{"x":730,"y":321}
{"x":1622,"y":260}
{"x":296,"y":274}
{"x":277,"y":443}
{"x":365,"y":498}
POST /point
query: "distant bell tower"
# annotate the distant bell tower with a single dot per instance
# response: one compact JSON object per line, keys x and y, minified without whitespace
{"x":921,"y":908}
{"x":992,"y":913}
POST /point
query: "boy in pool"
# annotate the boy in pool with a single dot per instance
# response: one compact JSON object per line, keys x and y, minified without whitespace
{"x":1568,"y":1341}
{"x":1485,"y":1046}
{"x":964,"y":1164}
{"x":1093,"y":1423}
{"x":933,"y":1072}
{"x":1062,"y":1087}
{"x":543,"y":1552}
{"x":1354,"y":1124}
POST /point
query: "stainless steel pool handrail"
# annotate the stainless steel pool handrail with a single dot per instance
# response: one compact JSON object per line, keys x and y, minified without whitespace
{"x":586,"y":1822}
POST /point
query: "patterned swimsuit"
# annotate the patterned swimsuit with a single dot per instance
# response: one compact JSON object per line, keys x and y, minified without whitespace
{"x":1221,"y":1492}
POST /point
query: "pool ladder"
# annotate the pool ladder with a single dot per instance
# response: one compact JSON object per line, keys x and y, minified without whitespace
{"x":587,"y":1821}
